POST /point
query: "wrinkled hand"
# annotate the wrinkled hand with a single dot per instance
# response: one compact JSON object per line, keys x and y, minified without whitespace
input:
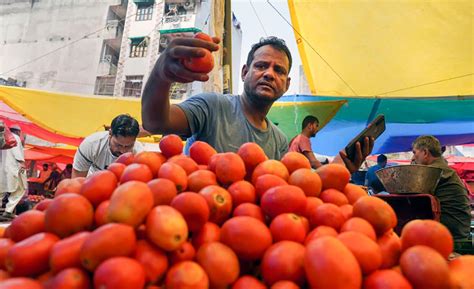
{"x":360,"y":155}
{"x":169,"y":66}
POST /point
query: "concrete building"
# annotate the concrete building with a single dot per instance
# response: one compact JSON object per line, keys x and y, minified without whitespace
{"x":106,"y":47}
{"x":60,"y":45}
{"x":149,"y":27}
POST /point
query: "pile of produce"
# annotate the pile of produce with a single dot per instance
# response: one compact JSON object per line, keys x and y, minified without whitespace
{"x":223,"y":220}
{"x":35,"y":198}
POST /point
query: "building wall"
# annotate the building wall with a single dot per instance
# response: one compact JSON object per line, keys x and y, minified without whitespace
{"x":77,"y":31}
{"x":31,"y":29}
{"x":129,"y":66}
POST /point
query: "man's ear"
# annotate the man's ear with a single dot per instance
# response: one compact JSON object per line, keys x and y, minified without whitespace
{"x":244,"y":72}
{"x":427,"y":153}
{"x":288,"y":81}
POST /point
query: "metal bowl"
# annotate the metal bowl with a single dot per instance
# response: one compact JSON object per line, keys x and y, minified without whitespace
{"x":409,"y":179}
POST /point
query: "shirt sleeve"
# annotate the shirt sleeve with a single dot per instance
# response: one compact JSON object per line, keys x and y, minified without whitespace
{"x":197,"y":109}
{"x":83,"y":157}
{"x":305,"y":145}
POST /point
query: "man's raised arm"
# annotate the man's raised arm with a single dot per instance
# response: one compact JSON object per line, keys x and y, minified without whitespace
{"x":158,"y":115}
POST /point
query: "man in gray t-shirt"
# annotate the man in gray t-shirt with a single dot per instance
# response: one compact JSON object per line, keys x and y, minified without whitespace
{"x":220,"y":121}
{"x":225,"y":122}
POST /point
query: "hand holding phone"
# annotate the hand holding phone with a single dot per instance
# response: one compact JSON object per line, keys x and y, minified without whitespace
{"x":360,"y":155}
{"x":371,"y":132}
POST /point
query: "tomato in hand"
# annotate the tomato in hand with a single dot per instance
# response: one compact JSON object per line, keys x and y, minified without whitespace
{"x":203,"y":64}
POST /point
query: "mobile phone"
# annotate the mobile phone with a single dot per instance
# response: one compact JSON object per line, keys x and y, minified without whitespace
{"x":374,"y":130}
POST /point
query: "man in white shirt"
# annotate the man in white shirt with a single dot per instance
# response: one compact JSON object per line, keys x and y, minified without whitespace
{"x":100,"y":149}
{"x":12,"y":174}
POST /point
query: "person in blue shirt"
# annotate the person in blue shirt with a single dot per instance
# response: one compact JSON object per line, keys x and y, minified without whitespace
{"x":371,"y":179}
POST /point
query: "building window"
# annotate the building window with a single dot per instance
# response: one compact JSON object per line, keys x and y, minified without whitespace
{"x":138,"y":47}
{"x":144,"y":13}
{"x":104,"y":85}
{"x":133,"y":85}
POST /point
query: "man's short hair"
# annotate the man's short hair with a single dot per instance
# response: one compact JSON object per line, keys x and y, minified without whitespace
{"x":124,"y":125}
{"x":381,"y":158}
{"x":309,"y":119}
{"x":275,"y":42}
{"x":429,"y":143}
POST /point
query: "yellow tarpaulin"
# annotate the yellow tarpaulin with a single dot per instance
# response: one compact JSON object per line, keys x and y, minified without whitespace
{"x":386,"y":48}
{"x":67,"y":114}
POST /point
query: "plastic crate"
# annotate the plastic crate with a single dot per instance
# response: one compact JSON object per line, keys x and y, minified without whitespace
{"x":412,"y":206}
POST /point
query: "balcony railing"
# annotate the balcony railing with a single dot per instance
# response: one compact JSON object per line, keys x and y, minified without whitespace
{"x":178,"y":21}
{"x":113,"y":29}
{"x":108,"y":65}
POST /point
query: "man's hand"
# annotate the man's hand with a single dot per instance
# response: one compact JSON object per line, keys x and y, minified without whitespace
{"x":158,"y":115}
{"x":360,"y":156}
{"x":169,"y":67}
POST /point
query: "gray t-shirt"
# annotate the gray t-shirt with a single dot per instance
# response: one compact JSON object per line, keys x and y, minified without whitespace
{"x":219,"y":120}
{"x":93,"y":154}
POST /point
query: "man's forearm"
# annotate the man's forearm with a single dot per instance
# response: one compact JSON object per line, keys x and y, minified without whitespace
{"x":312,"y":159}
{"x":155,"y":104}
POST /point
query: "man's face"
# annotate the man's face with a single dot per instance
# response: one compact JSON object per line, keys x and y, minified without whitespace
{"x":121,"y":144}
{"x":45,"y":168}
{"x":266,"y":79}
{"x":314,"y":128}
{"x":420,"y":157}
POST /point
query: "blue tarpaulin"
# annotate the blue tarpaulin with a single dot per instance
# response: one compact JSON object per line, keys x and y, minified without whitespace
{"x":450,"y":119}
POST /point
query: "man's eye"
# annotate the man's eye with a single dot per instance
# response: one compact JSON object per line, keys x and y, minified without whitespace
{"x":280,"y":71}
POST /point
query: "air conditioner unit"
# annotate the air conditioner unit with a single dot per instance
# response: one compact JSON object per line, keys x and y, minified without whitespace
{"x":189,"y":5}
{"x":164,"y":41}
{"x":107,"y":58}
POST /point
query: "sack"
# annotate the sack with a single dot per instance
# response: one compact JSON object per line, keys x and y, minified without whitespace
{"x":10,"y":141}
